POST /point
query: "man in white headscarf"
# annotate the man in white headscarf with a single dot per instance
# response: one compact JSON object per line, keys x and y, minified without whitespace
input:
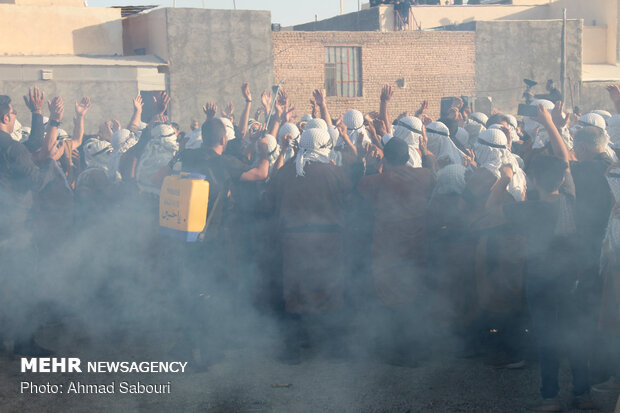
{"x":121,"y":141}
{"x":491,"y":153}
{"x":158,"y":152}
{"x":440,"y":144}
{"x":293,"y":130}
{"x":410,"y":130}
{"x":596,"y":120}
{"x":354,"y":121}
{"x":308,"y":199}
{"x":474,"y":125}
{"x":538,"y":132}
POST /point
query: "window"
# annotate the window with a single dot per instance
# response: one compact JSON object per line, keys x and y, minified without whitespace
{"x":343,"y":71}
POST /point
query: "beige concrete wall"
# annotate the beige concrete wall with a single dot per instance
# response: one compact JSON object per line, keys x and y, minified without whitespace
{"x":593,"y":13}
{"x":147,"y":31}
{"x":60,"y":30}
{"x":595,"y":44}
{"x":110,"y":88}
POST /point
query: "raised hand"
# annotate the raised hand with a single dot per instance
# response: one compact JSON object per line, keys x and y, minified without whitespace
{"x":82,"y":107}
{"x":386,"y":93}
{"x":422,"y":109}
{"x":265,"y":99}
{"x":281,"y":103}
{"x":57,"y":108}
{"x":245,"y":91}
{"x":457,"y":103}
{"x":559,"y":117}
{"x":289,"y":113}
{"x":544,"y":117}
{"x":138,"y":103}
{"x":34,"y":100}
{"x":614,"y":93}
{"x":210,"y":109}
{"x":286,"y":142}
{"x":161,"y":101}
{"x":319,"y":96}
{"x":228,"y":111}
{"x":115,"y":125}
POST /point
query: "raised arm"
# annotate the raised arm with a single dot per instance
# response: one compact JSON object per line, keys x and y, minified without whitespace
{"x":34,"y":101}
{"x":78,"y":121}
{"x":319,"y":98}
{"x":499,"y":189}
{"x":342,"y":129}
{"x":57,"y":109}
{"x":557,"y":143}
{"x":386,"y":95}
{"x":245,"y":115}
{"x":134,"y":122}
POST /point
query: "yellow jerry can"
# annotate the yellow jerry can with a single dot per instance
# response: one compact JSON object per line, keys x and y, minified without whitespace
{"x":183,"y":204}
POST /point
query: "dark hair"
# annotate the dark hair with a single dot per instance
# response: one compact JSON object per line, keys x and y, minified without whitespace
{"x":396,"y":152}
{"x":213,"y":131}
{"x":5,"y":106}
{"x":548,"y":172}
{"x":496,"y":119}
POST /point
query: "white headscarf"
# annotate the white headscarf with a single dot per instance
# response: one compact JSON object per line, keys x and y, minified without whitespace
{"x":97,"y":153}
{"x":451,"y":180}
{"x":158,"y":152}
{"x":491,"y":153}
{"x":194,"y":139}
{"x":273,"y":148}
{"x":538,"y":132}
{"x":354,"y":121}
{"x":441,"y":145}
{"x":613,"y":130}
{"x":409,"y":129}
{"x":16,"y":135}
{"x":475,"y":124}
{"x":316,"y":123}
{"x":293,"y":130}
{"x":230,"y":129}
{"x":315,"y":145}
{"x":596,"y":120}
{"x":463,"y":137}
{"x":121,"y":141}
{"x":605,"y":114}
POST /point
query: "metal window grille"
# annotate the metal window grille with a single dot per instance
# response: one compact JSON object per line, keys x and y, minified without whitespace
{"x":343,"y":71}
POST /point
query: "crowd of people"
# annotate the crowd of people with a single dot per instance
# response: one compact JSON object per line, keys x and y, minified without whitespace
{"x":478,"y":225}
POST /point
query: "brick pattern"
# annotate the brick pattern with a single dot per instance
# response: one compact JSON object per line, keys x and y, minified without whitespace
{"x":433,"y":64}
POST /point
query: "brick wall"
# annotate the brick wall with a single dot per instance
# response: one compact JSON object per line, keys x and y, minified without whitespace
{"x":433,"y":64}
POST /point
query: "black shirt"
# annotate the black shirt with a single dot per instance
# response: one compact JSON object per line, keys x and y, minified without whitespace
{"x":549,"y":229}
{"x":593,"y":204}
{"x":222,"y":171}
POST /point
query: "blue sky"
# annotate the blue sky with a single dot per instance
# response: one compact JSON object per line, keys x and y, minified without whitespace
{"x":285,"y":12}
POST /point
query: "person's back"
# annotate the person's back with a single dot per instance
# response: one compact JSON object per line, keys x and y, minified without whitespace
{"x":398,"y":198}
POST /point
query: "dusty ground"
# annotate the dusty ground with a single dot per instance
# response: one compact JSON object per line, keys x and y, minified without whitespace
{"x":247,"y":379}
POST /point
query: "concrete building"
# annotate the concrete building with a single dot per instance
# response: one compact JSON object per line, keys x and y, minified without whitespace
{"x":198,"y":55}
{"x":516,"y":41}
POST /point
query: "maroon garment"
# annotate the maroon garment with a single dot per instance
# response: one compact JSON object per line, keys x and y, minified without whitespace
{"x":399,"y":249}
{"x":309,"y":213}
